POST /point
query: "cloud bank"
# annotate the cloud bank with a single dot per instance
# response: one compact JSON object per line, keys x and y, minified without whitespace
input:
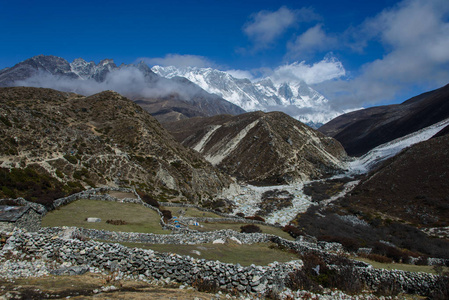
{"x":265,"y":27}
{"x":128,"y":81}
{"x":415,"y":35}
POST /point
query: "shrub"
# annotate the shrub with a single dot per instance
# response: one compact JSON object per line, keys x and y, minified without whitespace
{"x":116,"y":222}
{"x":392,"y":252}
{"x":441,"y":290}
{"x":292,"y":230}
{"x":299,"y":280}
{"x":241,"y":215}
{"x":250,"y":229}
{"x":149,"y":200}
{"x":379,"y":258}
{"x":205,"y":285}
{"x":256,"y":218}
{"x":71,"y":159}
{"x":167,"y":214}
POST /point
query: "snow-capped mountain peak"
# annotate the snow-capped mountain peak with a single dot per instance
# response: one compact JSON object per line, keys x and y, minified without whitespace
{"x":294,"y":98}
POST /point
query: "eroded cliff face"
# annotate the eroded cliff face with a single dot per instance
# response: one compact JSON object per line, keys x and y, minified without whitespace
{"x":265,"y":148}
{"x":103,"y":139}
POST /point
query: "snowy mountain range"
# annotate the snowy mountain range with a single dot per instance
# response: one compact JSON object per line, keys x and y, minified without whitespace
{"x":166,"y":99}
{"x":294,"y":98}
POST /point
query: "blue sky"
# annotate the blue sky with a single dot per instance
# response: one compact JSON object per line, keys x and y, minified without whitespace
{"x":357,"y":53}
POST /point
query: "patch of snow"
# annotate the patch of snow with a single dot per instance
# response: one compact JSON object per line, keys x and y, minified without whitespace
{"x":390,"y":149}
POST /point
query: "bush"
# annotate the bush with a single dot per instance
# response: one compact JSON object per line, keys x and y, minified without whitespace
{"x":205,"y":285}
{"x":167,"y":214}
{"x":116,"y":222}
{"x":394,"y":253}
{"x":256,"y":218}
{"x":441,"y":290}
{"x":379,"y":258}
{"x":150,"y":200}
{"x":250,"y":229}
{"x":292,"y":230}
{"x":71,"y":159}
{"x":298,"y":280}
{"x":241,"y":215}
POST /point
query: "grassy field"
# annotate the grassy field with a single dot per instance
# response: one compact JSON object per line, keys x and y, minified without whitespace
{"x":191,"y":212}
{"x":403,"y":267}
{"x":259,"y":254}
{"x":138,"y":217}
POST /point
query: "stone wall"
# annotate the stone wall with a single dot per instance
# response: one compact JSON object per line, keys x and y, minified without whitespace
{"x":50,"y":244}
{"x":30,"y":220}
{"x":117,"y":258}
{"x":226,"y":217}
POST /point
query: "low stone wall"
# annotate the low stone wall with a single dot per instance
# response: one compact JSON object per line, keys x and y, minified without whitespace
{"x":98,"y":194}
{"x":30,"y":220}
{"x":409,"y":282}
{"x":191,"y":238}
{"x":49,"y":244}
{"x":184,"y":269}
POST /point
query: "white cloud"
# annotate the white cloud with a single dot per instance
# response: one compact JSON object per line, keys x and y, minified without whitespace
{"x":415,"y":35}
{"x":266,"y":26}
{"x":327,"y":69}
{"x":180,"y":61}
{"x":314,"y":39}
{"x":241,"y":74}
{"x":128,"y":81}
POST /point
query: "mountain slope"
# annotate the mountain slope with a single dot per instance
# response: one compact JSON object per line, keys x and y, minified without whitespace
{"x":171,"y":108}
{"x":362,"y":130}
{"x":103,"y":139}
{"x":268,"y":148}
{"x":412,"y":185}
{"x":294,"y":98}
{"x":136,"y":82}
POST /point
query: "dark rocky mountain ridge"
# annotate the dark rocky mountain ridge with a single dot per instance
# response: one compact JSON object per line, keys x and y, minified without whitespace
{"x":361,"y":131}
{"x":269,"y":148}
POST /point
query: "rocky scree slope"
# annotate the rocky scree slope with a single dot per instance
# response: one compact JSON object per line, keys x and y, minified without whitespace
{"x":263,"y":148}
{"x":104,"y":139}
{"x":166,"y":99}
{"x":361,"y":131}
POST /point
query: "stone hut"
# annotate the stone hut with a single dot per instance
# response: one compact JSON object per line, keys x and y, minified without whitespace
{"x":25,"y":217}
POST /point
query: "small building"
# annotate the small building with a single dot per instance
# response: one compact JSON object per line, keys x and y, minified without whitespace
{"x":24,"y":217}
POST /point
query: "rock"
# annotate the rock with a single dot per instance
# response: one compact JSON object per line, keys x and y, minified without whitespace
{"x":93,"y":220}
{"x":218,"y":241}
